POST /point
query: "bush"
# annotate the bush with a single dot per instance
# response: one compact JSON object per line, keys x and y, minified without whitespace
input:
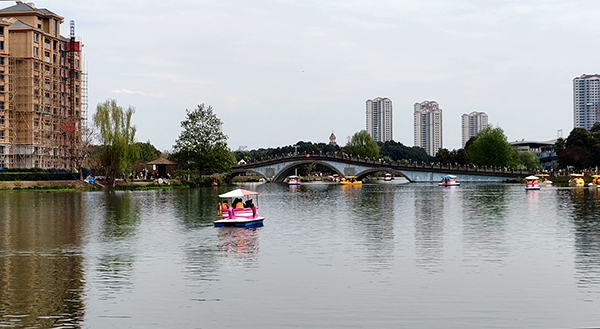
{"x":36,"y":176}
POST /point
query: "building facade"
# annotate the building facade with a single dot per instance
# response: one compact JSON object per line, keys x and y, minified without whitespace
{"x":42,"y":110}
{"x":472,"y":124}
{"x":586,"y":101}
{"x":428,"y":126}
{"x":379,"y":119}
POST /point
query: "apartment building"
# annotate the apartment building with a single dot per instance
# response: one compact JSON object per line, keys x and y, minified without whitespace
{"x":586,"y":101}
{"x":379,"y":119}
{"x":472,"y":124}
{"x":428,"y":126}
{"x":42,"y":89}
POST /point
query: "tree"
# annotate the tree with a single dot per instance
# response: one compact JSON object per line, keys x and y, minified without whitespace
{"x":117,"y":137}
{"x":202,"y":146}
{"x":362,"y":145}
{"x":529,"y":160}
{"x":491,"y":148}
{"x":78,"y":153}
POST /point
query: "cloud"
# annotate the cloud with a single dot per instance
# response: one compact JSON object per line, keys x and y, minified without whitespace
{"x":137,"y":92}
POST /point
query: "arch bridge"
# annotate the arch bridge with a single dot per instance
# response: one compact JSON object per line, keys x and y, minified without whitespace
{"x":277,"y":169}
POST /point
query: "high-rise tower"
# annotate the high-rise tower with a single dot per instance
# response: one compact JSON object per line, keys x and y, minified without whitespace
{"x":428,"y":126}
{"x":472,"y":124}
{"x":586,"y":101}
{"x":379,"y":119}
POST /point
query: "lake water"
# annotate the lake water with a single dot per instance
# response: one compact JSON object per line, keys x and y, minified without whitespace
{"x":328,"y":256}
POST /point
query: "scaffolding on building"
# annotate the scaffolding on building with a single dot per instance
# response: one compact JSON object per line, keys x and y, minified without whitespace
{"x":45,"y":115}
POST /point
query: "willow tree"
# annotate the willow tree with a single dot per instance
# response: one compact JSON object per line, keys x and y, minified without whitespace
{"x":117,"y":137}
{"x":202,"y":146}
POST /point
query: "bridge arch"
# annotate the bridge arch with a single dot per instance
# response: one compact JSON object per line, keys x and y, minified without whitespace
{"x":238,"y":172}
{"x":289,"y":167}
{"x":361,"y":175}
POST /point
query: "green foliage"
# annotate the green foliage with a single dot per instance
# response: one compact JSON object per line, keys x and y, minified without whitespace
{"x":36,"y":176}
{"x":147,"y":152}
{"x":581,"y":149}
{"x":202,"y":146}
{"x":117,"y":137}
{"x":454,"y":157}
{"x":301,"y":147}
{"x":491,"y":148}
{"x":362,"y":145}
{"x":397,"y":151}
{"x":529,"y":160}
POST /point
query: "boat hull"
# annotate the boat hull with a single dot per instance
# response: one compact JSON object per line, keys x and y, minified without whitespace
{"x":350,"y":183}
{"x":449,"y":184}
{"x":532,"y":188}
{"x":240,"y":222}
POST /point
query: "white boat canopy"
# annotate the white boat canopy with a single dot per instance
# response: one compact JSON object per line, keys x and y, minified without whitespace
{"x":531,"y":177}
{"x":237,"y":193}
{"x":448,"y":176}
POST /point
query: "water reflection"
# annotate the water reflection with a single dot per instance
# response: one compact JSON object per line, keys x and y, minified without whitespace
{"x":41,"y":275}
{"x":585,"y":210}
{"x":484,"y":222}
{"x":115,"y":263}
{"x":429,"y":226}
{"x":372,"y":214}
{"x":241,"y":242}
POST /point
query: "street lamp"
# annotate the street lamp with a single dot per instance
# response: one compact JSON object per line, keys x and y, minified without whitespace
{"x":295,"y":146}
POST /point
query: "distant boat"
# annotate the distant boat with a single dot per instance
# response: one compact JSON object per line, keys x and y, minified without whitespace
{"x":293,"y":180}
{"x":532,"y":183}
{"x":388,"y":178}
{"x":576,"y":180}
{"x":448,"y":180}
{"x":350,"y":180}
{"x":244,"y":214}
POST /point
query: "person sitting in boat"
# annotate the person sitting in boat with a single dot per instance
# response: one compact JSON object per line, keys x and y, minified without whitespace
{"x":238,"y":204}
{"x":248,"y":204}
{"x":224,"y":205}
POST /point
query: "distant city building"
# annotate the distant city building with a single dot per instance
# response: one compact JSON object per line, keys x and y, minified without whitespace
{"x":379,"y":119}
{"x":472,"y":124}
{"x":586,"y":101}
{"x":428,"y":126}
{"x":332,"y":139}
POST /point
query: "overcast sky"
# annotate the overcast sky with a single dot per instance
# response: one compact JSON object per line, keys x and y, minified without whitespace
{"x":281,"y":71}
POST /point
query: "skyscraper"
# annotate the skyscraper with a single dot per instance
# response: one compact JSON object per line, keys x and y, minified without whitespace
{"x":428,"y":126}
{"x":472,"y":124}
{"x":586,"y":101}
{"x":379,"y":119}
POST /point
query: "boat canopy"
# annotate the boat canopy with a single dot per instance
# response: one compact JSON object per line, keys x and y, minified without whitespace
{"x":576,"y":175}
{"x":542,"y":175}
{"x":448,"y":176}
{"x":596,"y":176}
{"x":531,"y":177}
{"x":237,"y":193}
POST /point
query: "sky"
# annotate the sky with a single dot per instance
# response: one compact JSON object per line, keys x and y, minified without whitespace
{"x":281,"y":71}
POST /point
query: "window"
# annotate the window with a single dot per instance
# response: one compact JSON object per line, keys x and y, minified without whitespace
{"x":54,"y":27}
{"x":1,"y":45}
{"x":36,"y":37}
{"x":1,"y":75}
{"x":2,"y":105}
{"x":1,"y":60}
{"x":1,"y":134}
{"x":1,"y":30}
{"x":1,"y":119}
{"x":35,"y":51}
